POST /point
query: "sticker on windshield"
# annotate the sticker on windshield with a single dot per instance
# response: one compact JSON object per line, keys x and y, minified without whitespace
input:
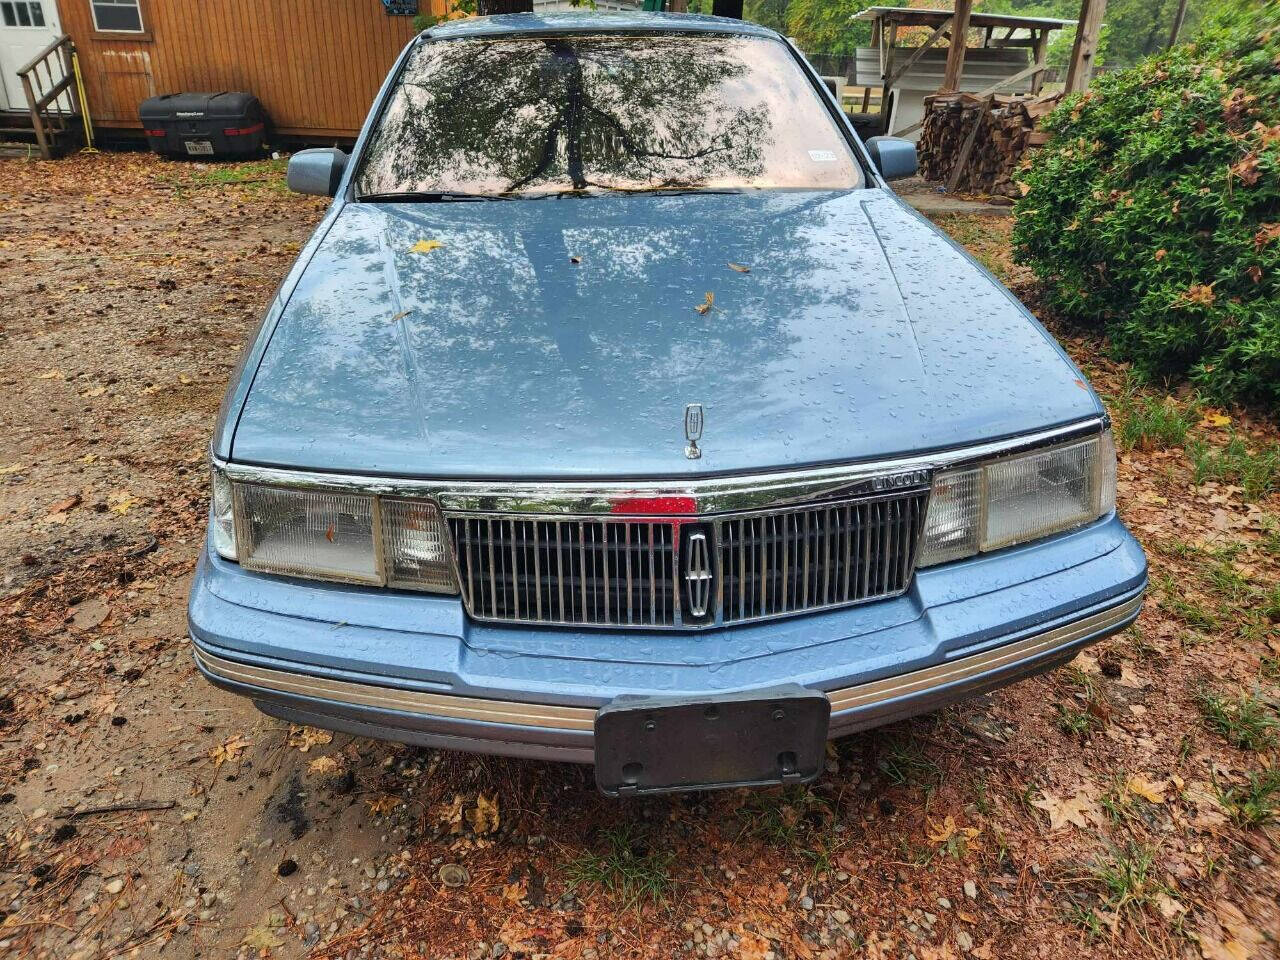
{"x":822,"y":156}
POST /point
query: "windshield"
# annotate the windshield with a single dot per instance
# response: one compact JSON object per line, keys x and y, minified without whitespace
{"x":539,"y":115}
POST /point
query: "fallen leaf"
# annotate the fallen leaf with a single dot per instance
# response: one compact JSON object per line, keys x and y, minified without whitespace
{"x":707,"y":303}
{"x":328,"y":534}
{"x":1215,"y":419}
{"x":229,"y":750}
{"x":1079,"y":811}
{"x":261,"y":938}
{"x":382,"y":804}
{"x":484,"y":816}
{"x":94,"y":392}
{"x":1255,"y":273}
{"x":741,"y":268}
{"x":62,"y":506}
{"x":451,"y":814}
{"x":575,"y":259}
{"x":1161,"y":254}
{"x":400,"y":316}
{"x":304,"y":738}
{"x":89,"y":614}
{"x":323,"y":765}
{"x":51,"y":375}
{"x":1201,"y":294}
{"x":15,"y":468}
{"x":425,"y":246}
{"x":942,"y":833}
{"x":1139,"y":786}
{"x":121,"y":502}
{"x":1168,"y":907}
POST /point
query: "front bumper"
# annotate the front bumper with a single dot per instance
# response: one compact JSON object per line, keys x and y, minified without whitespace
{"x":412,"y":668}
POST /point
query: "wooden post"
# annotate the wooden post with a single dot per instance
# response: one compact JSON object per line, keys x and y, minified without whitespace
{"x":1178,"y":17}
{"x":1038,"y":52}
{"x":37,"y":122}
{"x":955,"y":55}
{"x":888,"y":67}
{"x":1086,"y":46}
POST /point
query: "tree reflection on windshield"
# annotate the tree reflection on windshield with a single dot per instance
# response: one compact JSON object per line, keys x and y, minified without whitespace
{"x":538,"y":115}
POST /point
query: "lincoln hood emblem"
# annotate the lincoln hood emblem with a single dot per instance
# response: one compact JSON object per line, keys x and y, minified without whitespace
{"x":693,"y":430}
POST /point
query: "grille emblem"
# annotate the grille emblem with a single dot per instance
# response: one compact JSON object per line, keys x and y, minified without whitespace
{"x":698,"y":576}
{"x":693,"y":430}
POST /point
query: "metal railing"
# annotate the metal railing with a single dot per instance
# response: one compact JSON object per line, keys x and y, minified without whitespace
{"x":48,"y":82}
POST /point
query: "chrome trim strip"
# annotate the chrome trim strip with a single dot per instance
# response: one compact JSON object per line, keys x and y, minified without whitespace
{"x":891,"y":688}
{"x":711,"y":495}
{"x":582,"y":719}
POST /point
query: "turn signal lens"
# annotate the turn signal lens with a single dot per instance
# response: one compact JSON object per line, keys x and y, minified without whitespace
{"x":416,"y":546}
{"x":955,"y":511}
{"x":222,"y":520}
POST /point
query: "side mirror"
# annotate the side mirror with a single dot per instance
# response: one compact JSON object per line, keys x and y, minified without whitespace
{"x":894,"y":157}
{"x":317,"y":171}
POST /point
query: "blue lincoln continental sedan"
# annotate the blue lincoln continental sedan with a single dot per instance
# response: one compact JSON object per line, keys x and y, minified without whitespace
{"x":618,"y":412}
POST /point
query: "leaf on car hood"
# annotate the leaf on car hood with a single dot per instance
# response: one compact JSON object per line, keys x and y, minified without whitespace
{"x":425,"y":246}
{"x":741,"y":268}
{"x":706,"y":304}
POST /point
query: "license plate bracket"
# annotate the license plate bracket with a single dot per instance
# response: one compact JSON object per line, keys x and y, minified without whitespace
{"x":756,"y":738}
{"x":199,"y":148}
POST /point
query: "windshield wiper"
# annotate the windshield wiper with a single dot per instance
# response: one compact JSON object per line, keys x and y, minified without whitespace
{"x":440,"y":196}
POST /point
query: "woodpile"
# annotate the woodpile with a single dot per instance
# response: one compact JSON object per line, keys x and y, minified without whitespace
{"x":976,"y":144}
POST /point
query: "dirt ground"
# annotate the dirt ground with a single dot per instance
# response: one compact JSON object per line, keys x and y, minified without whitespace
{"x":1105,"y":810}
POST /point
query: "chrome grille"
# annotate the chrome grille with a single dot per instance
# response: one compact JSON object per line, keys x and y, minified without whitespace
{"x":581,"y":570}
{"x":602,"y":571}
{"x":808,"y":558}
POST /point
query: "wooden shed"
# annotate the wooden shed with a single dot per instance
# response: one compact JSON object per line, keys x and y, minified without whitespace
{"x":315,"y":64}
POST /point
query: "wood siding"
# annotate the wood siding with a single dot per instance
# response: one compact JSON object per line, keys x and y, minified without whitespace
{"x":316,"y":65}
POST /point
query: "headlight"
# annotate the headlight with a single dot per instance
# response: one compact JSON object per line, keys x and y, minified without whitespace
{"x":1018,"y":498}
{"x":333,"y":535}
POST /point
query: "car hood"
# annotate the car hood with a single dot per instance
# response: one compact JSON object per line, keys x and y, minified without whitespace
{"x":563,"y":337}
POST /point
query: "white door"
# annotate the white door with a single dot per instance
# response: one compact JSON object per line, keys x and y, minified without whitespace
{"x":26,"y":28}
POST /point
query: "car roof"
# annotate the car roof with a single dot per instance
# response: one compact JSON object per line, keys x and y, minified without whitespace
{"x":572,"y":22}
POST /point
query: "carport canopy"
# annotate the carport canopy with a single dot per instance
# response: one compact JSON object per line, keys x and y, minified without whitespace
{"x":1000,"y":31}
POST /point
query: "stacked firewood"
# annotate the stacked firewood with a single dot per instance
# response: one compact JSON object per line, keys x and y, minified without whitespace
{"x":987,"y":160}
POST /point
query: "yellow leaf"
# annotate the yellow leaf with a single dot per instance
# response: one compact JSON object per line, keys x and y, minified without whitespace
{"x":425,"y":246}
{"x":739,"y":267}
{"x":121,"y":501}
{"x":707,"y":303}
{"x":1140,"y":786}
{"x":382,"y":804}
{"x":229,"y":750}
{"x":94,"y":392}
{"x":484,"y":818}
{"x":323,"y":765}
{"x":50,"y":375}
{"x":15,"y":468}
{"x":1213,"y":419}
{"x":943,"y":833}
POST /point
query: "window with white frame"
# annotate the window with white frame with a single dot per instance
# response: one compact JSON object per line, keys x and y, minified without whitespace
{"x":117,"y":16}
{"x":21,"y":13}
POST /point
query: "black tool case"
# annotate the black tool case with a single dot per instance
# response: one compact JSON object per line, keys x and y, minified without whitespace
{"x":209,"y":125}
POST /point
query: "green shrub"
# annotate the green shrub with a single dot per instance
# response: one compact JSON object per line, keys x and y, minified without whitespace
{"x":1153,"y":213}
